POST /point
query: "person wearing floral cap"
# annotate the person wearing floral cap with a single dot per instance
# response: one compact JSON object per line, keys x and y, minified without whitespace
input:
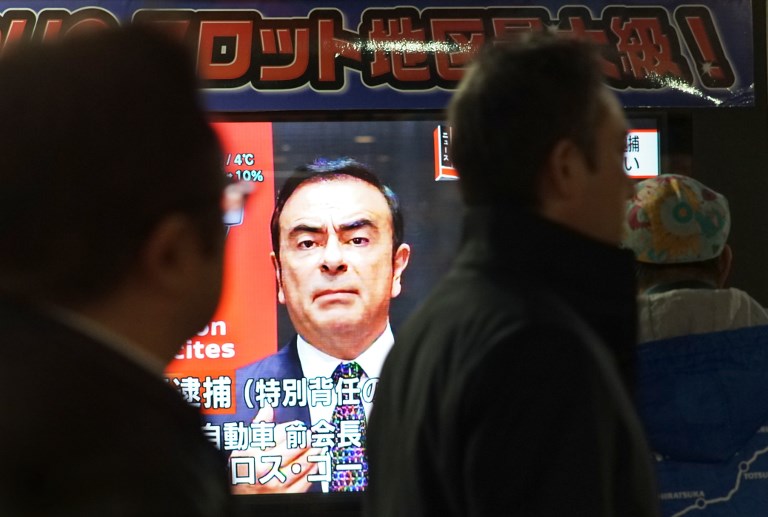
{"x":702,"y":365}
{"x":678,"y":229}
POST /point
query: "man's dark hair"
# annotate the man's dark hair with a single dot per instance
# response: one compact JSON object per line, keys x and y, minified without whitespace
{"x":330,"y":170}
{"x":517,"y":100}
{"x":103,"y":136}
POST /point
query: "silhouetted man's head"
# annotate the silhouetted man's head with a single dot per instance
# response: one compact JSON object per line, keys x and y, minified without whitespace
{"x":103,"y":138}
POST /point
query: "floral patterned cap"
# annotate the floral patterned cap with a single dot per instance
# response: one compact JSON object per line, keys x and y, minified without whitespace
{"x":674,"y":219}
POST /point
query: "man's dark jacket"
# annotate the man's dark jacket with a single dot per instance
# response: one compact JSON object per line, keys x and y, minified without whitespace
{"x":505,"y":394}
{"x":85,"y":431}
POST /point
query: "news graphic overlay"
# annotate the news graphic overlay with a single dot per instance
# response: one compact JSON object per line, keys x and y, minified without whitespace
{"x":444,"y":170}
{"x":243,"y":328}
{"x":642,"y":154}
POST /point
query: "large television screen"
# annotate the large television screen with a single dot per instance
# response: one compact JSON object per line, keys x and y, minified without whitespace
{"x":276,"y":426}
{"x":268,"y":396}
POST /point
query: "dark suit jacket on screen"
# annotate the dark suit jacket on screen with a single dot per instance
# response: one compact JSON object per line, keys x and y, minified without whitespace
{"x":284,"y":364}
{"x":86,"y":431}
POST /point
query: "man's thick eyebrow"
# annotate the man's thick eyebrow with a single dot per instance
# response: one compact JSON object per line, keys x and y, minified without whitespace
{"x":357,"y":224}
{"x":305,"y":228}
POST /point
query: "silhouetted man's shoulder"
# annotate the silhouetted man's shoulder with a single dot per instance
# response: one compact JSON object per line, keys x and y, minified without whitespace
{"x":103,"y":436}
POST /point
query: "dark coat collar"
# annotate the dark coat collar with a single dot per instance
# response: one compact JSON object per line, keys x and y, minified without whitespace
{"x":594,"y":278}
{"x":520,"y":240}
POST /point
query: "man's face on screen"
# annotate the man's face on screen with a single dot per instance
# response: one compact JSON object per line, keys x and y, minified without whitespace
{"x":336,"y":273}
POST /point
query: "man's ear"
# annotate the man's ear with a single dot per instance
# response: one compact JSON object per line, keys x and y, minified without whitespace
{"x":278,"y":277}
{"x":399,"y":263}
{"x":169,"y":257}
{"x":724,"y":262}
{"x":560,"y":179}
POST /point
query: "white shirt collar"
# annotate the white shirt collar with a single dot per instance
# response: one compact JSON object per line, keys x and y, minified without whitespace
{"x":315,"y":363}
{"x":105,"y":336}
